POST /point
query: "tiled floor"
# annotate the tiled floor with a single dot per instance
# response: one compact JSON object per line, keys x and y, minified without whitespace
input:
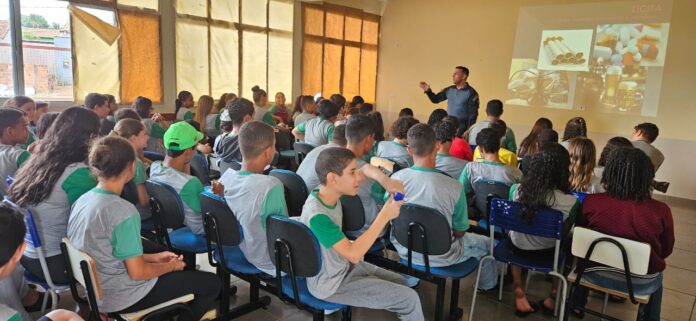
{"x":678,"y":303}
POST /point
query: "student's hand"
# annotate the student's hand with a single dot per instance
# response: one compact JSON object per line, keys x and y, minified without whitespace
{"x":31,"y":147}
{"x":166,"y":256}
{"x":177,"y":265}
{"x":391,"y":208}
{"x":424,"y":85}
{"x":157,"y":117}
{"x":393,"y":185}
{"x":217,"y":188}
{"x":204,"y":149}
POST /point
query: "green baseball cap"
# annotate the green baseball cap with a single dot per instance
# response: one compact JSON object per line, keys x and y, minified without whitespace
{"x":183,"y":135}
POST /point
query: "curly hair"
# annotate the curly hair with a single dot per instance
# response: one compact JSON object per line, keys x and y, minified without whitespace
{"x":582,"y":162}
{"x":445,"y":131}
{"x":436,"y":116}
{"x":576,"y":127}
{"x":401,"y":126}
{"x":548,"y":171}
{"x":612,"y":144}
{"x":628,"y":175}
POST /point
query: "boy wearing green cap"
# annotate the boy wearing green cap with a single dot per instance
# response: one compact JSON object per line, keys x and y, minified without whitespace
{"x":180,"y":142}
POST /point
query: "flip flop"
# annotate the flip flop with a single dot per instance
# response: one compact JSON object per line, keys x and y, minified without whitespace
{"x":524,"y":314}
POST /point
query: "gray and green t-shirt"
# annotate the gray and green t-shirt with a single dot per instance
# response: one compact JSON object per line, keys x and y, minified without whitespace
{"x":429,"y":188}
{"x":325,"y":222}
{"x":212,"y":125}
{"x":184,"y":114}
{"x":490,"y":171}
{"x":107,"y":228}
{"x":509,"y":144}
{"x":189,"y":188}
{"x":252,"y":198}
{"x":395,"y":152}
{"x":262,"y":114}
{"x":9,"y":314}
{"x":371,"y":195}
{"x":302,"y":118}
{"x":11,"y":159}
{"x":51,"y":215}
{"x":453,"y":166}
{"x":307,"y":169}
{"x":155,"y":134}
{"x":317,"y":131}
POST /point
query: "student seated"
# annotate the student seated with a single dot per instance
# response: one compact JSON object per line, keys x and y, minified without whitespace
{"x":612,"y":144}
{"x":643,"y":136}
{"x":208,"y":117}
{"x":545,"y":135}
{"x":136,"y":134}
{"x":445,"y":132}
{"x":42,"y":127}
{"x":184,"y":105}
{"x":28,"y":107}
{"x":530,"y":144}
{"x":240,"y":111}
{"x":546,"y":185}
{"x":305,"y":107}
{"x":460,"y":147}
{"x":395,"y":150}
{"x":576,"y":127}
{"x":41,"y":109}
{"x":494,"y":109}
{"x":99,"y":104}
{"x":279,"y":111}
{"x":180,"y":141}
{"x":506,"y":156}
{"x":344,"y":277}
{"x":13,"y":132}
{"x":406,"y":112}
{"x":53,"y":178}
{"x":582,"y":164}
{"x":154,"y":123}
{"x":261,"y":112}
{"x":425,"y":186}
{"x":436,"y":116}
{"x":12,"y":246}
{"x":318,"y":131}
{"x":107,"y":228}
{"x":306,"y":168}
{"x":629,"y":211}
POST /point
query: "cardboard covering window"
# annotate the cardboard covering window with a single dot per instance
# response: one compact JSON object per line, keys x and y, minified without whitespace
{"x":280,"y":63}
{"x":225,"y":10}
{"x":253,"y":61}
{"x":147,"y":4}
{"x":192,"y":70}
{"x":224,"y":56}
{"x":141,"y":63}
{"x":254,"y":12}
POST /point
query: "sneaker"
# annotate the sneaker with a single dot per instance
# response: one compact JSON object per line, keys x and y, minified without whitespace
{"x":411,"y":282}
{"x":330,"y":312}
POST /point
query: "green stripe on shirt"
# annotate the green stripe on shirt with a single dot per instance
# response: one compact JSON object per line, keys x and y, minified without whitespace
{"x":77,"y":183}
{"x":274,"y":204}
{"x":190,"y":194}
{"x":157,"y":131}
{"x":326,"y":231}
{"x":125,"y":238}
{"x":23,"y":157}
{"x":460,"y":217}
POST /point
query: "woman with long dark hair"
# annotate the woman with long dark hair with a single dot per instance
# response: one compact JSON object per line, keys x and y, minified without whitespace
{"x":529,"y":144}
{"x":576,"y":127}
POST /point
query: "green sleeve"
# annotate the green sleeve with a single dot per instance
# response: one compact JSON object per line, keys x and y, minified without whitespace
{"x":188,"y":115}
{"x":325,"y":230}
{"x":513,"y":189}
{"x":301,"y":128}
{"x":268,"y":119}
{"x":574,"y":211}
{"x":464,"y":180}
{"x":330,"y":132}
{"x":30,"y":140}
{"x":125,"y":239}
{"x":157,"y":131}
{"x":23,"y":157}
{"x":190,"y":194}
{"x":460,"y":217}
{"x":217,"y":121}
{"x":139,"y":177}
{"x":510,"y":142}
{"x":274,"y":204}
{"x":273,"y":109}
{"x":77,"y":183}
{"x":377,"y":192}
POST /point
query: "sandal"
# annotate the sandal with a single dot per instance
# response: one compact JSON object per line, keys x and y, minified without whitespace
{"x":524,"y":314}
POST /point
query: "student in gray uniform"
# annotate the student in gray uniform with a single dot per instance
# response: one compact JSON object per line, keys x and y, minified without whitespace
{"x":306,"y":169}
{"x":260,"y":110}
{"x":13,"y":132}
{"x":136,"y":134}
{"x":226,"y":127}
{"x":546,"y":185}
{"x":318,"y":131}
{"x":240,"y":111}
{"x":51,"y":181}
{"x":305,"y":107}
{"x":643,"y":136}
{"x":426,"y":187}
{"x":445,"y":132}
{"x":395,"y":150}
{"x":154,"y":123}
{"x":253,"y":196}
{"x":344,"y":277}
{"x":107,"y":228}
{"x":494,"y":109}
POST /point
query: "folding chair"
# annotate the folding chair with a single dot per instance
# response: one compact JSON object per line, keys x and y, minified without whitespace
{"x":296,"y":192}
{"x":199,"y":168}
{"x":153,"y":156}
{"x":484,"y":192}
{"x":301,"y":150}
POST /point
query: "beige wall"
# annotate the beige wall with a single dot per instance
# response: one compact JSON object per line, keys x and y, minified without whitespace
{"x":424,"y":40}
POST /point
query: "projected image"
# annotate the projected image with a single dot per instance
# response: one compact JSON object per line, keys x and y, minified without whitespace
{"x":629,"y":44}
{"x":530,"y":86}
{"x":612,"y":88}
{"x":565,"y":49}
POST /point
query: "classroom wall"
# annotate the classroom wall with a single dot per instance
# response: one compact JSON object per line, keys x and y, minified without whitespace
{"x":424,"y":41}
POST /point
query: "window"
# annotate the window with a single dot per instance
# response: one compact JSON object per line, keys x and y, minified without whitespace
{"x":339,"y":51}
{"x":6,"y":69}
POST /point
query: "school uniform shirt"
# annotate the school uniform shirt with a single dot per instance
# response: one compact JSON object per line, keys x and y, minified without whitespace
{"x":107,"y":228}
{"x":139,"y":178}
{"x":427,"y":187}
{"x":567,"y":204}
{"x":451,"y":165}
{"x":189,"y":188}
{"x":325,"y":222}
{"x":490,"y":171}
{"x":510,"y":142}
{"x":9,"y":314}
{"x":155,"y":134}
{"x":11,"y":159}
{"x":262,"y":114}
{"x":598,"y":171}
{"x":307,"y":169}
{"x":51,"y":215}
{"x":302,"y":118}
{"x":655,"y":155}
{"x":228,"y":149}
{"x":395,"y":152}
{"x":371,"y":195}
{"x":506,"y":156}
{"x":212,"y":125}
{"x":252,"y":198}
{"x":317,"y":131}
{"x":184,"y":114}
{"x":595,"y":185}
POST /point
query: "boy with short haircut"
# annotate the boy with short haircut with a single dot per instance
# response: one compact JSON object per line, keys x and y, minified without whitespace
{"x":180,"y":142}
{"x":494,"y":109}
{"x":318,"y":131}
{"x":395,"y":150}
{"x":644,"y":135}
{"x":13,"y":132}
{"x":425,"y":186}
{"x":344,"y":278}
{"x":253,"y":196}
{"x":240,"y":111}
{"x":99,"y":104}
{"x":445,"y":132}
{"x":306,"y":169}
{"x":507,"y":157}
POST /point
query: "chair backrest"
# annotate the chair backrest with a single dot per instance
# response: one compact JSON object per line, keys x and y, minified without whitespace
{"x":508,"y":216}
{"x":199,"y":168}
{"x":353,"y":213}
{"x":386,"y":165}
{"x":485,"y":190}
{"x":153,"y":156}
{"x":130,"y":193}
{"x":580,"y":196}
{"x":296,"y":192}
{"x":608,"y":253}
{"x":434,"y":224}
{"x":303,"y":246}
{"x":167,"y":204}
{"x":302,"y":149}
{"x":32,"y":233}
{"x":226,"y":224}
{"x":75,"y":259}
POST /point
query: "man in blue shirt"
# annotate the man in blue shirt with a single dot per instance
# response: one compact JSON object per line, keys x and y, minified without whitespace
{"x":462,"y":99}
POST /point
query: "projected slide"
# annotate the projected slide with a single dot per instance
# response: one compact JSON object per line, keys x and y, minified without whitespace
{"x":599,"y":57}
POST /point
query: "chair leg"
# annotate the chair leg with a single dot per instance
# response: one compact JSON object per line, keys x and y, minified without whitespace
{"x":318,"y":315}
{"x":526,"y":282}
{"x":347,"y":314}
{"x":604,"y":304}
{"x":225,"y":293}
{"x":641,"y":312}
{"x":501,"y":282}
{"x":44,"y":301}
{"x":476,"y":284}
{"x":254,"y":291}
{"x":455,"y":313}
{"x":440,"y":299}
{"x":564,"y":289}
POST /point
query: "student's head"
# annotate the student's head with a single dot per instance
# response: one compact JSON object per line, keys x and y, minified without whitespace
{"x":422,"y":142}
{"x":205,"y":107}
{"x":445,"y":131}
{"x":23,"y":103}
{"x":547,"y":136}
{"x":257,"y":142}
{"x":406,"y":112}
{"x":259,"y":95}
{"x":13,"y":127}
{"x":280,"y":98}
{"x":575,"y":127}
{"x":336,"y":169}
{"x":548,"y":171}
{"x":307,"y":104}
{"x":353,"y":111}
{"x":41,"y":108}
{"x":612,"y":144}
{"x":339,"y":135}
{"x":180,"y":140}
{"x":529,"y":144}
{"x":460,"y":75}
{"x":111,"y":158}
{"x":112,"y":103}
{"x":366,"y":108}
{"x":357,"y":101}
{"x":66,"y":142}
{"x":582,"y":162}
{"x":45,"y":123}
{"x":628,"y":175}
{"x":225,"y":121}
{"x":360,"y":132}
{"x":240,"y":110}
{"x":132,"y":130}
{"x":184,"y":99}
{"x":221,"y":102}
{"x":500,"y":127}
{"x":328,"y":110}
{"x":401,"y":125}
{"x":142,"y":106}
{"x":436,"y":116}
{"x":646,"y":131}
{"x":488,"y":141}
{"x":339,"y":100}
{"x":127,"y":113}
{"x":494,"y":108}
{"x":379,"y":125}
{"x":452,"y":120}
{"x":98,"y":103}
{"x":12,"y":244}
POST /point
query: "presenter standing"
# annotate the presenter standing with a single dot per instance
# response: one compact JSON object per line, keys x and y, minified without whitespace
{"x":462,"y":99}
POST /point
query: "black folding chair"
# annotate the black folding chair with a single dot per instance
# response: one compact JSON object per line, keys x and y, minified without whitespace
{"x":302,"y":149}
{"x":296,"y":192}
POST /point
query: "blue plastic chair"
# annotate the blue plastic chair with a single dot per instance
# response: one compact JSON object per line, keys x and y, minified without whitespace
{"x":547,"y":223}
{"x":296,"y":192}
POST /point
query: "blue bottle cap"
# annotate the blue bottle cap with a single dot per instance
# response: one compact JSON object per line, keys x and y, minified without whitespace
{"x":398,"y":196}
